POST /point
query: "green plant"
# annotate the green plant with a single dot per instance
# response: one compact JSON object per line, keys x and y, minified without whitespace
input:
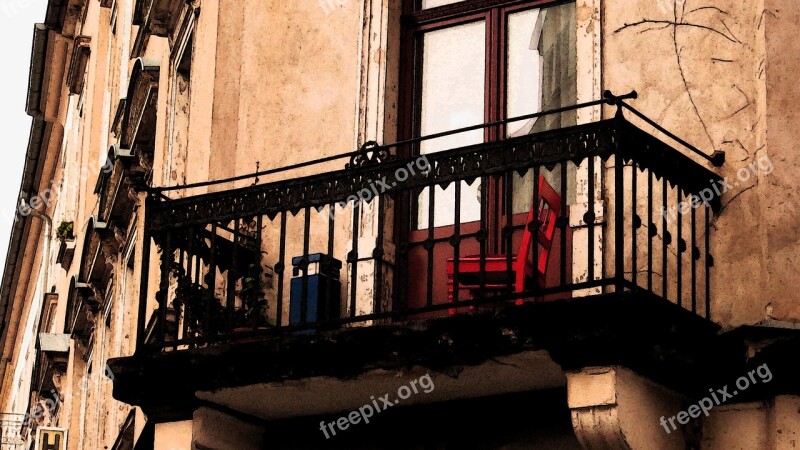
{"x":205,"y":312}
{"x":65,"y":231}
{"x":255,"y":304}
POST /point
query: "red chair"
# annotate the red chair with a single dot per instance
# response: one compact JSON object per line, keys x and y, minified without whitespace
{"x":522,"y":275}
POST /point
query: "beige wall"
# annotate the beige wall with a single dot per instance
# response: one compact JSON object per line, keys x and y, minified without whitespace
{"x":76,"y":140}
{"x":212,"y":429}
{"x":776,"y":199}
{"x":285,"y":88}
{"x":173,"y":436}
{"x":276,"y":83}
{"x":272,"y":83}
{"x":771,"y":425}
{"x":720,"y":79}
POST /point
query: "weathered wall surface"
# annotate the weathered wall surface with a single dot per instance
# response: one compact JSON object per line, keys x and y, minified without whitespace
{"x":772,"y":425}
{"x":286,"y":84}
{"x":714,"y":72}
{"x":738,"y":426}
{"x":284,"y":90}
{"x":777,"y":197}
{"x":276,"y":83}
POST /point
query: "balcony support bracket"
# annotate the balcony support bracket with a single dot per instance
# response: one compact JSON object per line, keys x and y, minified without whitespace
{"x":614,"y":408}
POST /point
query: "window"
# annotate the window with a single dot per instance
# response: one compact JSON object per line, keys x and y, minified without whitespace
{"x":471,"y":62}
{"x":476,"y":64}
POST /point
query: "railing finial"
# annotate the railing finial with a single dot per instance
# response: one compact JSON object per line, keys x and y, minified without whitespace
{"x":718,"y":158}
{"x":370,"y":153}
{"x":617,"y":99}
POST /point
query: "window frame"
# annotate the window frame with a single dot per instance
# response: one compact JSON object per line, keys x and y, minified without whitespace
{"x":417,"y":21}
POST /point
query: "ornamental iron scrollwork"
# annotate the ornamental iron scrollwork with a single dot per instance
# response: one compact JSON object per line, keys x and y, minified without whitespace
{"x":369,"y":153}
{"x":600,"y":139}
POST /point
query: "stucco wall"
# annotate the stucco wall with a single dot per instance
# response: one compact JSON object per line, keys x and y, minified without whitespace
{"x":280,"y":82}
{"x":715,"y":73}
{"x":286,"y":84}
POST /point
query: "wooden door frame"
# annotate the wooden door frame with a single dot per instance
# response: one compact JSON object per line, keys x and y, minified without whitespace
{"x":414,"y":23}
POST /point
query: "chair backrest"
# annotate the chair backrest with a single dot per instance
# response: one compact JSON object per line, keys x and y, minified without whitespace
{"x":549,"y":207}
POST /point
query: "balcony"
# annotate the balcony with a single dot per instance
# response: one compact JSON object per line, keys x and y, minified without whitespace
{"x":164,"y":18}
{"x":608,"y":262}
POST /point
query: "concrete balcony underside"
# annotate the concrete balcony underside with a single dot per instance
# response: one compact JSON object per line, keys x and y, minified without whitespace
{"x":515,"y":349}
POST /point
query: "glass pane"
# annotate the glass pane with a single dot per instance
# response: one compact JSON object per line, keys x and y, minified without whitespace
{"x":453,"y":73}
{"x":541,"y":75}
{"x":524,"y":68}
{"x":434,"y":3}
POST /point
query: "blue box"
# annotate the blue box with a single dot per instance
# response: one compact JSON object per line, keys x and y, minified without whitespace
{"x":323,"y":299}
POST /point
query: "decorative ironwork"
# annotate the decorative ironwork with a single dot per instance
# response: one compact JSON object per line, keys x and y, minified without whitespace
{"x":665,"y":162}
{"x":547,"y":149}
{"x":370,"y":153}
{"x":223,"y":255}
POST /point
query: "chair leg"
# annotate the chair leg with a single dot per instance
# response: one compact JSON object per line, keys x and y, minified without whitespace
{"x":450,"y":297}
{"x":450,"y":288}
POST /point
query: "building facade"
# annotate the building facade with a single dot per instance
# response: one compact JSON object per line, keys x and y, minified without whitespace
{"x":400,"y":224}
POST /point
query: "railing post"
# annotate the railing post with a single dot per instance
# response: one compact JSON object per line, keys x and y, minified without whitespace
{"x":163,"y":288}
{"x":619,"y":218}
{"x":679,"y":250}
{"x":353,"y":258}
{"x":708,"y":262}
{"x":150,"y":204}
{"x":280,"y":269}
{"x":378,"y":256}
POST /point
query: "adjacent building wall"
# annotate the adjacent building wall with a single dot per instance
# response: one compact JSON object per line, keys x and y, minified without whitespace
{"x":716,"y":73}
{"x":275,"y":83}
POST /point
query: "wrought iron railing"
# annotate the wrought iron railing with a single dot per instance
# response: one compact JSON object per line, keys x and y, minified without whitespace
{"x":395,"y":238}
